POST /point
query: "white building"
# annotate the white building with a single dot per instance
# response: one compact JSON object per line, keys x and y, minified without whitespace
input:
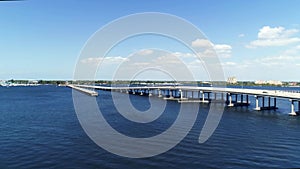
{"x":232,"y":80}
{"x":270,"y":82}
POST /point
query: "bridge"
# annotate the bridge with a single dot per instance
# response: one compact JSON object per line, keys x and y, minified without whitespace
{"x":264,"y":99}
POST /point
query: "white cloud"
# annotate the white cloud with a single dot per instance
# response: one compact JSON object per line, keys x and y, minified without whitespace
{"x":161,"y":61}
{"x":145,"y":52}
{"x":223,"y":47}
{"x":280,"y":66}
{"x":223,"y":50}
{"x":97,"y":60}
{"x":91,"y":60}
{"x":202,"y":43}
{"x":267,"y":32}
{"x":184,"y":55}
{"x":285,"y":59}
{"x":228,"y":64}
{"x":293,"y":51}
{"x":169,"y":59}
{"x":241,"y":35}
{"x":143,"y":64}
{"x":276,"y":36}
{"x":209,"y":49}
{"x":273,"y":42}
{"x":196,"y":63}
{"x":273,"y":67}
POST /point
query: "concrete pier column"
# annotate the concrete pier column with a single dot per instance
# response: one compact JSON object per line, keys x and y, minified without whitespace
{"x":133,"y":91}
{"x":274,"y":101}
{"x":192,"y":94}
{"x":222,"y":96}
{"x":230,"y":100}
{"x":269,"y":102}
{"x":292,"y":113}
{"x":247,"y":99}
{"x":203,"y":96}
{"x":263,"y":101}
{"x":298,"y":106}
{"x":141,"y":92}
{"x":181,"y":94}
{"x":149,"y":92}
{"x":242,"y":98}
{"x":171,"y":93}
{"x":227,"y":98}
{"x":256,"y":103}
{"x":159,"y":93}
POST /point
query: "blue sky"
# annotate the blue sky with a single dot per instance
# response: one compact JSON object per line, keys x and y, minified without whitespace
{"x":255,"y":40}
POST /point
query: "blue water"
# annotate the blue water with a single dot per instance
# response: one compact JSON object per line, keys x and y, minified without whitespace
{"x":39,"y":129}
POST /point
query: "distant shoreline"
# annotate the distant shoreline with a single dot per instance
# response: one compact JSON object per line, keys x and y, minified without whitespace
{"x":139,"y":82}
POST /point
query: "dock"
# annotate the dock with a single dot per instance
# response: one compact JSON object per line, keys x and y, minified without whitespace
{"x":84,"y":90}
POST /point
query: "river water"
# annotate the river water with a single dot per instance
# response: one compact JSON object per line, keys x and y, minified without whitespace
{"x":39,"y":129}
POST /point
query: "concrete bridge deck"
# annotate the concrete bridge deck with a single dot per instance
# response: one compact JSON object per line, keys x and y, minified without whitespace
{"x":203,"y":94}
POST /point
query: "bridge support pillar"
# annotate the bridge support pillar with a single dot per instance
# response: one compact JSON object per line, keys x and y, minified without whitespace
{"x":230,"y":104}
{"x":149,"y":92}
{"x":298,"y":106}
{"x":141,"y":92}
{"x":256,"y":103}
{"x":236,"y":98}
{"x":159,"y":93}
{"x":171,"y":93}
{"x":227,"y":98}
{"x":263,"y":107}
{"x":293,"y":112}
{"x":181,"y":94}
{"x":242,"y":98}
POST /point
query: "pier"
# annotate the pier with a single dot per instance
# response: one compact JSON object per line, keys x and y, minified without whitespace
{"x":232,"y":97}
{"x":84,"y":90}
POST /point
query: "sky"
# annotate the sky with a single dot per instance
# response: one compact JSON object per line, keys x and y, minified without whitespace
{"x":254,"y":40}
